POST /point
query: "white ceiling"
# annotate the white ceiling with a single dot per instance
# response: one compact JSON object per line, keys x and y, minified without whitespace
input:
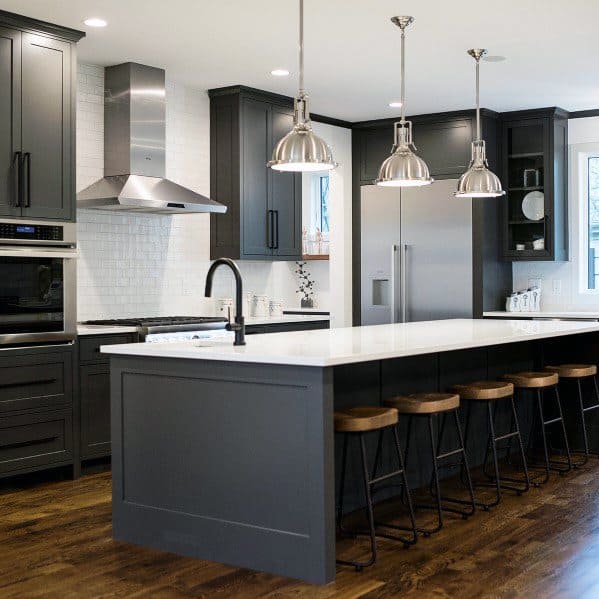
{"x":352,"y":57}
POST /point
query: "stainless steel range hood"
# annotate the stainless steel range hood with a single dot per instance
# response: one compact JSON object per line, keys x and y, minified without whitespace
{"x":134,"y":149}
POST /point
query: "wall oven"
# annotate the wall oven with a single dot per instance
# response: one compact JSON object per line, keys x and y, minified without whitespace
{"x":38,"y":287}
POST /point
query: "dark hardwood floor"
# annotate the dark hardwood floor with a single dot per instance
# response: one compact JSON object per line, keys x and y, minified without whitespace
{"x":55,"y":541}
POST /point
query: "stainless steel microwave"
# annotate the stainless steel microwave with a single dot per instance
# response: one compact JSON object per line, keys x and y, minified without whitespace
{"x":38,"y":286}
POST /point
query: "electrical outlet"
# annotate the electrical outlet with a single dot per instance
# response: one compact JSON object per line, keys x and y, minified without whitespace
{"x":533,"y":282}
{"x":556,"y":286}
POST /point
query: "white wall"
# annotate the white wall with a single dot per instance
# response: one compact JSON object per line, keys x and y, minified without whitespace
{"x":155,"y":265}
{"x":559,"y":280}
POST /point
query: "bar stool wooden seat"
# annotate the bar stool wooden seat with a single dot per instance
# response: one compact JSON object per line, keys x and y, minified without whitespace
{"x":359,"y":421}
{"x":490,"y":393}
{"x":576,"y":373}
{"x":539,"y":383}
{"x":431,"y":406}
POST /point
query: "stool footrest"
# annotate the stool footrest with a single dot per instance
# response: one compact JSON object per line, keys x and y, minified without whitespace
{"x":448,"y":454}
{"x":507,"y":436}
{"x":589,"y":408}
{"x":383,"y":477}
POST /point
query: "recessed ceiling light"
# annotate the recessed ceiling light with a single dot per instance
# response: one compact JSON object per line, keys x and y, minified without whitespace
{"x":494,"y":58}
{"x":280,"y":72}
{"x":394,"y":104}
{"x":95,"y":22}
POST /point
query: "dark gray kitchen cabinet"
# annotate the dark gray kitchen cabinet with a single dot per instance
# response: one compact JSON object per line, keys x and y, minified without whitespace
{"x":94,"y":393}
{"x":442,"y":141}
{"x":37,"y":119}
{"x":10,"y":119}
{"x":37,"y":423}
{"x":263,"y":219}
{"x":94,"y":387}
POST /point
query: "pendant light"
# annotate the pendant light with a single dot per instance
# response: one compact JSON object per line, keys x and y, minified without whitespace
{"x":478,"y":181}
{"x":301,"y":149}
{"x":403,"y":168}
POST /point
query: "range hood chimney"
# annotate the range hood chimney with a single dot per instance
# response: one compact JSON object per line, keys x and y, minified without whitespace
{"x":134,"y":149}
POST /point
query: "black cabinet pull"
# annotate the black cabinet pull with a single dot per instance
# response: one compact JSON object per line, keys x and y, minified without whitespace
{"x":27,"y":161}
{"x":28,"y":443}
{"x":27,"y":383}
{"x":270,"y":227}
{"x":17,"y":164}
{"x":276,"y":229}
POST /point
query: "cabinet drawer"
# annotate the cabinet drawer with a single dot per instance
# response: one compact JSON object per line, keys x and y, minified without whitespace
{"x":31,"y":381}
{"x":89,"y":347}
{"x":34,"y":440}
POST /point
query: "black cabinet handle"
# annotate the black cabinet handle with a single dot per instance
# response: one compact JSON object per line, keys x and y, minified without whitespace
{"x":17,"y":164}
{"x":27,"y":383}
{"x":27,"y":161}
{"x":28,"y":443}
{"x":270,"y":226}
{"x":276,"y":229}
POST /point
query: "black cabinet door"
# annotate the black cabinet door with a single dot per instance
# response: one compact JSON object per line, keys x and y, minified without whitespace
{"x":256,"y":150}
{"x":10,"y":119}
{"x":375,"y":146}
{"x":444,"y":146}
{"x":46,"y":127}
{"x":286,"y":196}
{"x":95,"y":410}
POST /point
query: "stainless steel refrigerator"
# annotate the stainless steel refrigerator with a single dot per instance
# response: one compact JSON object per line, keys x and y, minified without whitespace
{"x":417,"y":256}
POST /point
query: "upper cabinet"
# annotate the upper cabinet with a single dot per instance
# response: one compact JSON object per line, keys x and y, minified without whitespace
{"x":534,"y":174}
{"x":263,"y":218}
{"x":443,"y":142}
{"x":37,"y":119}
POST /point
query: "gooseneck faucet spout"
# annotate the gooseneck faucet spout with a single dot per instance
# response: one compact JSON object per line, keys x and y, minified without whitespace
{"x":239,"y":325}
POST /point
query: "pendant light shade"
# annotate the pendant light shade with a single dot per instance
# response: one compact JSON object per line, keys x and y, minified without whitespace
{"x":403,"y":168}
{"x":478,"y":181}
{"x":301,"y":149}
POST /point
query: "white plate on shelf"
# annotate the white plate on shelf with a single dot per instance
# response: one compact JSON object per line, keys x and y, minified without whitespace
{"x":533,"y":205}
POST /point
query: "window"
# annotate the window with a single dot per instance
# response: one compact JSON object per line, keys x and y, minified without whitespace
{"x":592,"y":217}
{"x":319,"y":203}
{"x":324,"y":202}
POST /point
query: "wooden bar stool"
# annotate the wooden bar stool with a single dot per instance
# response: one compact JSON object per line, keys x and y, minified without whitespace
{"x":539,"y":383}
{"x":578,"y":373}
{"x":490,"y":393}
{"x":430,"y":406}
{"x":359,"y":421}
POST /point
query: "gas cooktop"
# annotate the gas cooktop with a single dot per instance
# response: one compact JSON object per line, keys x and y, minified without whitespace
{"x":159,"y":329}
{"x":157,"y":321}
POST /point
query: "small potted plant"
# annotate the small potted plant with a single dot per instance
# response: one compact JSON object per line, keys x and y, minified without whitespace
{"x":305,"y":284}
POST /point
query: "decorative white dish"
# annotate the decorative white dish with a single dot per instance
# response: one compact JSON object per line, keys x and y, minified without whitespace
{"x":533,"y":205}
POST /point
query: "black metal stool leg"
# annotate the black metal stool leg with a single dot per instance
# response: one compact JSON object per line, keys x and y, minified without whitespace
{"x":521,"y":445}
{"x":369,"y":508}
{"x":565,"y":435}
{"x":491,"y":412}
{"x":544,"y":436}
{"x":464,"y":466}
{"x":431,"y":432}
{"x":585,"y":437}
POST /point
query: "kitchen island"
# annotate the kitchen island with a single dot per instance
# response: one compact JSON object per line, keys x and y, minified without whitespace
{"x":227,"y":453}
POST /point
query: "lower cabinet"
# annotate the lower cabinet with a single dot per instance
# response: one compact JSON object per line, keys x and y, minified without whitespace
{"x":36,"y":409}
{"x":94,"y":390}
{"x":94,"y":394}
{"x":30,"y":442}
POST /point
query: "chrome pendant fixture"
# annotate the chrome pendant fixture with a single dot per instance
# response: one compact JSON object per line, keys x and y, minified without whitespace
{"x":301,"y":149}
{"x":403,"y":168}
{"x":478,"y":181}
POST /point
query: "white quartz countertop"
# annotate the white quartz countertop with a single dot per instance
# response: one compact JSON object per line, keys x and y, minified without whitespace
{"x":96,"y":329}
{"x":543,"y":314}
{"x":332,"y":347}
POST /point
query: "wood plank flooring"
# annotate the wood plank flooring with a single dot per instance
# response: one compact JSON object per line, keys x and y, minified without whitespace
{"x":55,"y":541}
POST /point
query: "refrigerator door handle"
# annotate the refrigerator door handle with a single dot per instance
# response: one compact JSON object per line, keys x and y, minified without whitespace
{"x":394,"y":311}
{"x":404,"y":282}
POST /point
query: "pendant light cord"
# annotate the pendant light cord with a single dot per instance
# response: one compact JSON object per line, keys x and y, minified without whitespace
{"x":403,"y":75}
{"x":478,"y":136}
{"x":302,"y":91}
